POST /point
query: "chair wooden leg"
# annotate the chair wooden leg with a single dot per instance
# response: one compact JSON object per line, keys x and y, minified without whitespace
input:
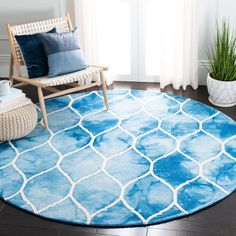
{"x":11,"y":69}
{"x":42,"y":107}
{"x":104,"y":90}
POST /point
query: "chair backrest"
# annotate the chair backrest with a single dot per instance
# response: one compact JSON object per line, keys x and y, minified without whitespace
{"x":62,"y":24}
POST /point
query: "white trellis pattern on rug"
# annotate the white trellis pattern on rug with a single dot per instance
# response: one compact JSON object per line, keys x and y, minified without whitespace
{"x":184,"y":131}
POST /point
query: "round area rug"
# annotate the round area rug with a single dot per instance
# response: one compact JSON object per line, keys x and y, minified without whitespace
{"x":151,"y":158}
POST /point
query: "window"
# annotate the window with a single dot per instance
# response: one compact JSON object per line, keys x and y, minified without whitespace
{"x":128,"y":38}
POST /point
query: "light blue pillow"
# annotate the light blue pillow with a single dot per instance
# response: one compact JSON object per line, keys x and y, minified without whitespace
{"x":63,"y":52}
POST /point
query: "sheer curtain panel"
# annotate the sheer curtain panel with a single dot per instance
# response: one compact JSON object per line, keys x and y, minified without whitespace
{"x":142,"y":40}
{"x":179,"y":43}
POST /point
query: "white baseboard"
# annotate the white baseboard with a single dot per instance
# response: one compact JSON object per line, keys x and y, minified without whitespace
{"x":4,"y":69}
{"x":4,"y":66}
{"x":202,"y":72}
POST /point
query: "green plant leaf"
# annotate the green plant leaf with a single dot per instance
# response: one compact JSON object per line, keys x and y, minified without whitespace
{"x":222,"y":55}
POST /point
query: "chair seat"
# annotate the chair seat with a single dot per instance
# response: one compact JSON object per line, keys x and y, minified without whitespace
{"x":83,"y":77}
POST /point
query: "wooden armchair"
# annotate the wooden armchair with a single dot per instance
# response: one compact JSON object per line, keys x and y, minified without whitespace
{"x":92,"y":76}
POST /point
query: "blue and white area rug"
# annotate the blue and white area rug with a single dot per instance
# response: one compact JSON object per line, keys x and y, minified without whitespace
{"x":152,"y":157}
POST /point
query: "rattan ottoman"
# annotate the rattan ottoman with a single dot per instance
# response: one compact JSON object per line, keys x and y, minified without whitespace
{"x":18,"y":123}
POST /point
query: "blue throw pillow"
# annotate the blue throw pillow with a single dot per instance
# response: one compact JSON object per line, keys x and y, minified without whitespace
{"x":34,"y":55}
{"x":63,"y":52}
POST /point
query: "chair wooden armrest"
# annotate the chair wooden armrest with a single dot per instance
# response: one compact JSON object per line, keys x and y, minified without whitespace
{"x":104,"y":68}
{"x":27,"y":81}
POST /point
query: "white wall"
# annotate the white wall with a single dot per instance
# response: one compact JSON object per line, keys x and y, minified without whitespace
{"x":210,"y":11}
{"x":227,"y":8}
{"x":23,"y":11}
{"x":15,"y":11}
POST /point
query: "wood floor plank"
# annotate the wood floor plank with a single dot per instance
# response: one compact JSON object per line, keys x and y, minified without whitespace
{"x":74,"y":233}
{"x":16,"y":217}
{"x":139,"y":231}
{"x":9,"y":230}
{"x":198,"y":227}
{"x":163,"y":232}
{"x":2,"y":204}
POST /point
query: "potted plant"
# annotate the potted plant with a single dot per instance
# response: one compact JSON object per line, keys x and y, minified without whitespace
{"x":221,"y":81}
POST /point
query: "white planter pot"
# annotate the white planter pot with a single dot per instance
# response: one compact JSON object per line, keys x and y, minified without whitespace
{"x":222,"y":93}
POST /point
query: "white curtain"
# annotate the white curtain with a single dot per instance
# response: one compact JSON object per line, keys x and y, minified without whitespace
{"x":179,"y":44}
{"x":85,"y":17}
{"x":86,"y":20}
{"x":177,"y":54}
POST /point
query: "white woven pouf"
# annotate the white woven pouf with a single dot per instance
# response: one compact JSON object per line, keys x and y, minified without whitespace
{"x":18,"y":123}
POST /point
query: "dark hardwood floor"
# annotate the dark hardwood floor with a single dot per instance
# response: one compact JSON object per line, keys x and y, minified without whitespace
{"x":218,"y":220}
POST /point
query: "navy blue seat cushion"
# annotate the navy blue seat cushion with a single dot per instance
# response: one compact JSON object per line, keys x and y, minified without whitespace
{"x":34,"y":55}
{"x":63,"y":52}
